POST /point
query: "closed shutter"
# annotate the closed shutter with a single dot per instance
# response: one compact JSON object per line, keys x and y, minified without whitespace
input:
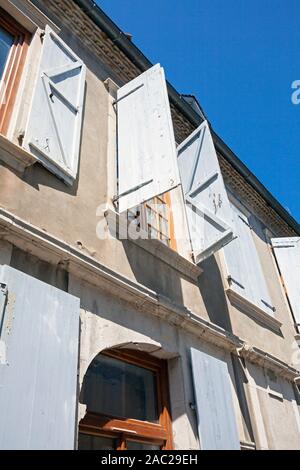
{"x":54,"y":124}
{"x":287,"y":252}
{"x":217,"y":425}
{"x":147,"y":159}
{"x":243,"y":264}
{"x":208,"y":210}
{"x":38,"y":364}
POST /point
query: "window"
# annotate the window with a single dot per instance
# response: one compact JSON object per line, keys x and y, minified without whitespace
{"x":13,"y":46}
{"x":156,"y":219}
{"x":127,"y":403}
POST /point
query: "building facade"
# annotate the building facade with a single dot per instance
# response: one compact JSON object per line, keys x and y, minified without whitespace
{"x":149,"y":294}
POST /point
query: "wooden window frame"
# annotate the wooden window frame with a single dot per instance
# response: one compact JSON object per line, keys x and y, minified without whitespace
{"x":140,"y":213}
{"x":13,"y":67}
{"x":124,"y":429}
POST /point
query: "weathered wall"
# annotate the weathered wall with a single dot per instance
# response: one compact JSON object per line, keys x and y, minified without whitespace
{"x":107,"y":323}
{"x":70,"y":214}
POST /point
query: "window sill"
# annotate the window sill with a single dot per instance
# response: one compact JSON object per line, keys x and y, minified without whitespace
{"x":15,"y":156}
{"x":253,"y":310}
{"x":158,"y":249}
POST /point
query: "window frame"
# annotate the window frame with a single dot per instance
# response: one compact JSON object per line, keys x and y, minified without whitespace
{"x":140,"y":213}
{"x":124,"y":429}
{"x":13,"y":67}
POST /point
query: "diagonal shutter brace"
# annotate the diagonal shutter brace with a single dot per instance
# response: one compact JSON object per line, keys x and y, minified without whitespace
{"x":135,"y":188}
{"x":127,"y":94}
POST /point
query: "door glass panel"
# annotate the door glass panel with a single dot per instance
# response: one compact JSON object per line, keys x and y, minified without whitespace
{"x":132,"y":445}
{"x":116,"y":388}
{"x":89,"y":442}
{"x":6,"y":41}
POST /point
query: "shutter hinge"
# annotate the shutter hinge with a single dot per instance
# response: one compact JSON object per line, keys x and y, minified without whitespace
{"x":3,"y":298}
{"x":193,"y":406}
{"x":231,"y":281}
{"x":20,"y":137}
{"x":42,"y":34}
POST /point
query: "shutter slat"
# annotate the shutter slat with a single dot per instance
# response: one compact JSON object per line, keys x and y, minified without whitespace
{"x":217,"y":425}
{"x":55,"y":119}
{"x":287,"y":252}
{"x":147,"y":160}
{"x":208,"y":209}
{"x":38,"y":375}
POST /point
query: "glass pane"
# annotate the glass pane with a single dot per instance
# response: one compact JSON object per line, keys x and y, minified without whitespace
{"x":152,"y":233}
{"x":151,"y":217}
{"x":165,"y":240}
{"x":163,"y":225}
{"x":131,"y":445}
{"x":89,"y":442}
{"x":115,"y":388}
{"x":6,"y":41}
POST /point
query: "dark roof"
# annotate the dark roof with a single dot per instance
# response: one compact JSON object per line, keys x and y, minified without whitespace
{"x":120,"y":38}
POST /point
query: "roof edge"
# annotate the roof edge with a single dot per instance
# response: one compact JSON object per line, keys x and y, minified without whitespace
{"x":94,"y":12}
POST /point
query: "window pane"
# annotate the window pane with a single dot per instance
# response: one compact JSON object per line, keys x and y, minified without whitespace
{"x":131,"y":445}
{"x":6,"y":41}
{"x":89,"y":442}
{"x":116,"y":388}
{"x":165,"y":240}
{"x":163,"y":225}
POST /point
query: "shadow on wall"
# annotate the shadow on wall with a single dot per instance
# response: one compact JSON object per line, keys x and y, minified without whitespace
{"x":153,"y":273}
{"x":55,"y":275}
{"x":213,"y":294}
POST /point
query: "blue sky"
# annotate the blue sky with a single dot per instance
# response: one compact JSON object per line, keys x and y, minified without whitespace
{"x":239,"y":57}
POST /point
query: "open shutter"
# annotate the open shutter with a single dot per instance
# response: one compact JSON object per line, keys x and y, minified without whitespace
{"x":287,"y":252}
{"x":38,"y":364}
{"x":147,"y":159}
{"x":246,"y":276}
{"x":208,"y":210}
{"x":54,"y":124}
{"x":217,"y":425}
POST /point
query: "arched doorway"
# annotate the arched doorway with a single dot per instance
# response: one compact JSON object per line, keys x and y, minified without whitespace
{"x":126,"y":394}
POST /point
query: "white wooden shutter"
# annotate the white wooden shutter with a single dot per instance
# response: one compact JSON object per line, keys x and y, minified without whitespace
{"x":54,"y":124}
{"x":217,"y":425}
{"x":147,"y":159}
{"x":243,"y":264}
{"x":287,"y":252}
{"x":208,"y":210}
{"x":38,"y":365}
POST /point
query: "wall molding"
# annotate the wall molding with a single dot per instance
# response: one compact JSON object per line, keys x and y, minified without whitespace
{"x":53,"y":250}
{"x":15,"y":156}
{"x":253,"y":310}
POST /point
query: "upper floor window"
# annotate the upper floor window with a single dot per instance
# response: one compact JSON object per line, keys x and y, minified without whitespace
{"x":127,"y":403}
{"x":155,"y":218}
{"x":13,"y":46}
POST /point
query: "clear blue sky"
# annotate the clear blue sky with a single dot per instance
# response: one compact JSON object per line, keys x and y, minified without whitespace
{"x":239,"y":57}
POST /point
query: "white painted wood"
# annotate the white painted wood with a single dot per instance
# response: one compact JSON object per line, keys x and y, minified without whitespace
{"x":217,"y":424}
{"x":208,"y":210}
{"x":55,"y":120}
{"x":287,"y":252}
{"x":147,"y":159}
{"x":244,"y":266}
{"x":38,"y":379}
